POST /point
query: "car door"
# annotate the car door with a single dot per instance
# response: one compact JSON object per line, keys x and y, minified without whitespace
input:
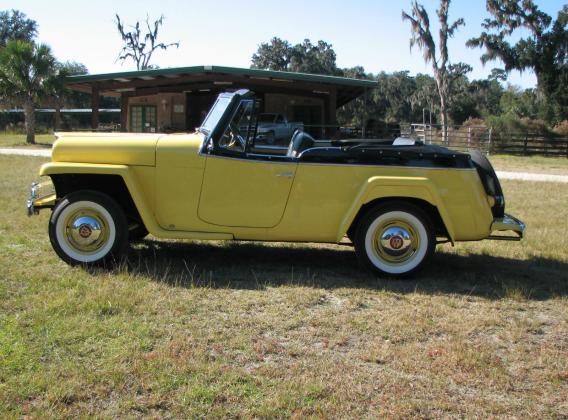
{"x":246,"y":190}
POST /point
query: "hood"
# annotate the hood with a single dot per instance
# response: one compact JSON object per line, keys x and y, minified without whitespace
{"x":109,"y":148}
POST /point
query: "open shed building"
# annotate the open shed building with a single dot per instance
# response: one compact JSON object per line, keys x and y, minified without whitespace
{"x":177,"y":99}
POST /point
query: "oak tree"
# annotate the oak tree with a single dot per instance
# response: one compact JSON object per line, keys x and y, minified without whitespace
{"x":543,"y":48}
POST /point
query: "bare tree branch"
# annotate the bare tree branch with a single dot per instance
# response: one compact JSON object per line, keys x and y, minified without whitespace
{"x":138,"y":46}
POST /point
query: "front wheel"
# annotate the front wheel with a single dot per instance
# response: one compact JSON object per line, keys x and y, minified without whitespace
{"x":395,"y":239}
{"x":88,"y":227}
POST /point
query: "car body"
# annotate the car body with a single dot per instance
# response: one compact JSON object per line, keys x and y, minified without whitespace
{"x":394,"y":200}
{"x":275,"y":128}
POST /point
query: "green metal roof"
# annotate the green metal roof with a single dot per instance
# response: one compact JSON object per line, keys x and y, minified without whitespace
{"x":282,"y":75}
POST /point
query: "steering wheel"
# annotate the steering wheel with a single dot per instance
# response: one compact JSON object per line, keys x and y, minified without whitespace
{"x":236,"y":141}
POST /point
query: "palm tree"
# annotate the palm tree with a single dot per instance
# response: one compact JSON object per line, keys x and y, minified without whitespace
{"x":27,"y":75}
{"x":422,"y":36}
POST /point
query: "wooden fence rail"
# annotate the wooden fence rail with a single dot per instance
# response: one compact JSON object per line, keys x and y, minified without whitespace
{"x":485,"y":139}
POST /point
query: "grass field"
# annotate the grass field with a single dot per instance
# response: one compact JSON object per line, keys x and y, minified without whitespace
{"x":256,"y":330}
{"x":533,"y":164}
{"x":19,"y":140}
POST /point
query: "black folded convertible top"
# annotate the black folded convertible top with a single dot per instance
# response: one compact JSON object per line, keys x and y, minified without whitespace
{"x":385,"y":153}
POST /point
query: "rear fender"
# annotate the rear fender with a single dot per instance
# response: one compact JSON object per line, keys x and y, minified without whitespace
{"x":378,"y":187}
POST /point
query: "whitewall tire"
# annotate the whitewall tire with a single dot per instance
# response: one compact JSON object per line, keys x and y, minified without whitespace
{"x":88,"y":227}
{"x":395,"y":239}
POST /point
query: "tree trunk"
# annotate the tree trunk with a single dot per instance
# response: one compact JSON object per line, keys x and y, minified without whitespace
{"x":441,"y":83}
{"x":29,"y":116}
{"x":444,"y":115}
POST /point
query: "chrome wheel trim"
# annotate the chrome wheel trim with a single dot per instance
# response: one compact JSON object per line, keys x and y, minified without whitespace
{"x":396,"y":242}
{"x":85,"y":231}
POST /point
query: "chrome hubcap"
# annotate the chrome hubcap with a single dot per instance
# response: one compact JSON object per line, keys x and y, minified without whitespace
{"x":86,"y":231}
{"x":395,"y":242}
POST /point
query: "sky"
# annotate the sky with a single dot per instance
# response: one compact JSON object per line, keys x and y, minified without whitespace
{"x":369,"y":33}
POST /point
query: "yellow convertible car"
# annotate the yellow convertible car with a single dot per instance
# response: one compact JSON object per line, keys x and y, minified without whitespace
{"x":394,"y":200}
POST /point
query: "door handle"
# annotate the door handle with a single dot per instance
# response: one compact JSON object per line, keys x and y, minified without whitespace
{"x":285,"y":175}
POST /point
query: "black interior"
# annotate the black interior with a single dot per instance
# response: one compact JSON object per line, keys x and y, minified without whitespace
{"x":300,"y":141}
{"x":304,"y":148}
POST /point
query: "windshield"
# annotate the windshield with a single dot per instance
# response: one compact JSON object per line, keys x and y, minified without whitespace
{"x":215,"y":113}
{"x":240,"y":129}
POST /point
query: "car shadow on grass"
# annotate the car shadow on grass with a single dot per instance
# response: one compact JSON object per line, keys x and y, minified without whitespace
{"x":254,"y":265}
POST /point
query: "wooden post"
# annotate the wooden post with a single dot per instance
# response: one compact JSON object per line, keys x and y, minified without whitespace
{"x":95,"y":103}
{"x":525,"y":145}
{"x":123,"y":112}
{"x":331,"y":109}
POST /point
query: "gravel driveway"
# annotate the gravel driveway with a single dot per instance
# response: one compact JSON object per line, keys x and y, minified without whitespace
{"x":26,"y":152}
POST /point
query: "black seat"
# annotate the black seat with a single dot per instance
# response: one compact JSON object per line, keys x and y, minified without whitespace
{"x":300,"y":141}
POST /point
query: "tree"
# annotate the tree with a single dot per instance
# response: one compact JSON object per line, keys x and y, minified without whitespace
{"x":313,"y":58}
{"x":425,"y":96}
{"x":422,"y":37}
{"x":520,"y":103}
{"x":499,"y":75}
{"x":273,"y":55}
{"x":544,"y":50}
{"x":14,"y":25}
{"x":397,"y":89}
{"x":139,"y":46}
{"x":486,"y":95}
{"x":356,"y":112}
{"x":305,"y":57}
{"x":27,"y":75}
{"x":60,"y":93}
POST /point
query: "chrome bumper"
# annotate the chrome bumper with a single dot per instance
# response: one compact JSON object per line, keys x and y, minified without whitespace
{"x":37,"y":201}
{"x":31,"y":209}
{"x":506,"y":224}
{"x":33,"y":196}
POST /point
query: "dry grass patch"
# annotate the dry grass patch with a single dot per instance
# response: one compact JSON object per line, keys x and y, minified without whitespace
{"x":284,"y":330}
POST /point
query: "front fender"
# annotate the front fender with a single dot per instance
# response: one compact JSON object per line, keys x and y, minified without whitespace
{"x":139,"y":198}
{"x":143,"y":207}
{"x":401,"y":187}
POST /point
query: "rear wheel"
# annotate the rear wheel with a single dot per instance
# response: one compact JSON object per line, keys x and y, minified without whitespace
{"x":395,"y":239}
{"x":88,"y":227}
